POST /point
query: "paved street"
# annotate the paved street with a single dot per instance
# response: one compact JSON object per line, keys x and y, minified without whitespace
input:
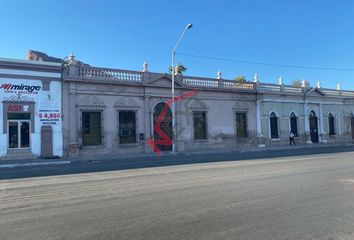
{"x":295,"y":197}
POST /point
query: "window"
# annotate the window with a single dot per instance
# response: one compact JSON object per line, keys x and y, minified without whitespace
{"x":241,"y":125}
{"x":127,"y":127}
{"x":199,"y":120}
{"x":331,"y":124}
{"x":91,"y":128}
{"x":293,"y":124}
{"x":274,"y":126}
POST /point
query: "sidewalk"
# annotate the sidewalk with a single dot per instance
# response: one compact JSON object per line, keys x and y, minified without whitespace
{"x":167,"y":155}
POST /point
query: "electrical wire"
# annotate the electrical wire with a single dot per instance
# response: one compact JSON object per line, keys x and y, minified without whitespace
{"x":265,"y":64}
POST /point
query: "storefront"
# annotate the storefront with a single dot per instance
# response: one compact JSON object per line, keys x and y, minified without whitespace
{"x":30,"y":122}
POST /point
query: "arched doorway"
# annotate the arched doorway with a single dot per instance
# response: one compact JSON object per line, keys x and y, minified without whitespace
{"x":293,"y":124}
{"x":162,"y":119}
{"x":352,"y":125}
{"x":313,"y":127}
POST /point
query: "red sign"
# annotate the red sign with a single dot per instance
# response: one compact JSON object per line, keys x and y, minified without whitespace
{"x":49,"y":115}
{"x":15,"y":108}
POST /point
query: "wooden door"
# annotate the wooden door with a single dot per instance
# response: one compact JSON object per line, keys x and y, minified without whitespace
{"x":46,"y":142}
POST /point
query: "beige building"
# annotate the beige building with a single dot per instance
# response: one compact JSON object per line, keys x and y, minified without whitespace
{"x":112,"y":111}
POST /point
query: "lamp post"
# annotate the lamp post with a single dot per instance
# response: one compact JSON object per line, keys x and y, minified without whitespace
{"x":174,"y":136}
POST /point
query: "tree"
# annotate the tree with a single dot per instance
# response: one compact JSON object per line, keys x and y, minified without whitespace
{"x":240,"y":79}
{"x":298,"y":83}
{"x":180,"y":69}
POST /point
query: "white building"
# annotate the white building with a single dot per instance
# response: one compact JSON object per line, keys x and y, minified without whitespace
{"x":30,"y":119}
{"x":313,"y":114}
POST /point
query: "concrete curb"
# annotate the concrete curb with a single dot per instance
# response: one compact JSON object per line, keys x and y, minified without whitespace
{"x":30,"y":164}
{"x":152,"y":156}
{"x":166,"y":156}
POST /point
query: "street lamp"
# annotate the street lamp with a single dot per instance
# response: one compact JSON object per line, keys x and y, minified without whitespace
{"x":174,"y":135}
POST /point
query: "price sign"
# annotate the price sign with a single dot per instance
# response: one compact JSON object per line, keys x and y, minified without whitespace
{"x":49,"y":117}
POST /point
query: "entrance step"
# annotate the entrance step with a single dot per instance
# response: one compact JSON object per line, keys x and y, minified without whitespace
{"x":19,"y":154}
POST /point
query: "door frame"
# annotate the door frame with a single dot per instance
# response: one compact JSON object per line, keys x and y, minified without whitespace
{"x":161,"y":147}
{"x":352,"y":126}
{"x":18,"y":134}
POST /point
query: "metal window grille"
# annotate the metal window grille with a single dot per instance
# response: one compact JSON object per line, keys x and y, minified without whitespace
{"x":199,"y":123}
{"x":91,"y":128}
{"x":241,"y":124}
{"x":274,"y":133}
{"x":127,"y":127}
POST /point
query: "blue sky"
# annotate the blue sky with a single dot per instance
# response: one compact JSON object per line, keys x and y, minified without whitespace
{"x":122,"y":34}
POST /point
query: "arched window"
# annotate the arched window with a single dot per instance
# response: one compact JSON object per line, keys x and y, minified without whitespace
{"x":274,"y":133}
{"x":312,"y":114}
{"x":331,"y":124}
{"x":293,"y":124}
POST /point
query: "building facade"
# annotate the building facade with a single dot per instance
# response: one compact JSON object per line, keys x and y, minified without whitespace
{"x":314,"y":115}
{"x":114,"y":111}
{"x":30,"y":122}
{"x":73,"y":109}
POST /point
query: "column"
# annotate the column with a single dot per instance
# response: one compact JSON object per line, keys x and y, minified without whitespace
{"x":147,"y":122}
{"x":307,"y":125}
{"x":73,"y":121}
{"x":258,"y":116}
{"x":322,"y":132}
{"x":260,"y":138}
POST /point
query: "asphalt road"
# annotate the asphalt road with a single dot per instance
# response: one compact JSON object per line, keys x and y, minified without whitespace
{"x":82,"y":165}
{"x":297,"y":197}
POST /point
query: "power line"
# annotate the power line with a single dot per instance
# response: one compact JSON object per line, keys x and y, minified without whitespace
{"x":265,"y":64}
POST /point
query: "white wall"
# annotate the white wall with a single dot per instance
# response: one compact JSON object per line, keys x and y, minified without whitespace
{"x":44,"y":100}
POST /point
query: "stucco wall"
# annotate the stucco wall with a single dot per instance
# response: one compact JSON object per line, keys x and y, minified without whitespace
{"x":108,"y":100}
{"x":220,"y":108}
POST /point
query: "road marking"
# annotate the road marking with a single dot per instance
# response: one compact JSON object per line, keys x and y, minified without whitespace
{"x":347,"y":180}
